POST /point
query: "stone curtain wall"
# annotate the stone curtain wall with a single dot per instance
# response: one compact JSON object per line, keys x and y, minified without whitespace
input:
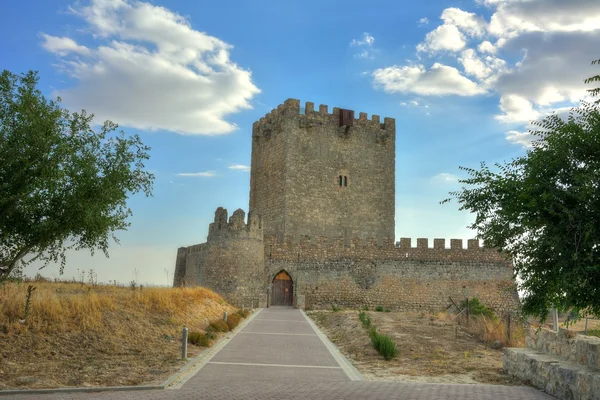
{"x":231,"y":262}
{"x":238,"y":263}
{"x":397,"y":277}
{"x":296,"y":163}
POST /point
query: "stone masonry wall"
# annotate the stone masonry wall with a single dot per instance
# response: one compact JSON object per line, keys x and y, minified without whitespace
{"x":231,"y":262}
{"x":398,"y":277}
{"x":268,"y":174}
{"x":305,"y":190}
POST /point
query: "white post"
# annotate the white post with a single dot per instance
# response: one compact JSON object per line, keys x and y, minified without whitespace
{"x":243,"y":309}
{"x":252,"y":305}
{"x":184,"y":338}
{"x":225,"y":316}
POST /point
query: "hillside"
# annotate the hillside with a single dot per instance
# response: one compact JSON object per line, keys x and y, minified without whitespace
{"x":78,"y":334}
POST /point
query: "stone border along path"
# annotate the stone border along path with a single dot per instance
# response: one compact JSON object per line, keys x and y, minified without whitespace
{"x":280,"y":353}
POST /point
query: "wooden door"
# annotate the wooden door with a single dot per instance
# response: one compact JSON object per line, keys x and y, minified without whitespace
{"x":283,"y":290}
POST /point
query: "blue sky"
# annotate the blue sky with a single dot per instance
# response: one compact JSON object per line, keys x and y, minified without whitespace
{"x":463,"y":79}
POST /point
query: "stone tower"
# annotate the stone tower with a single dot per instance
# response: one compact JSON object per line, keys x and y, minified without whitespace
{"x":322,"y":174}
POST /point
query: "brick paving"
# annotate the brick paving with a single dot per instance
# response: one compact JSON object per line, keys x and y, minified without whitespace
{"x":278,"y":355}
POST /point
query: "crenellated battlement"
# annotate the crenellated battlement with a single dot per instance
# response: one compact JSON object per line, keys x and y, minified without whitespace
{"x":236,"y":225}
{"x":317,"y":117}
{"x":423,"y":243}
{"x":322,"y":247}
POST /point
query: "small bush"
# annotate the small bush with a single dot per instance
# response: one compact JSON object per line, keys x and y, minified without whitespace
{"x":244,"y":313}
{"x":210,"y":329}
{"x":193,"y":337}
{"x":365,"y":319}
{"x":200,"y":339}
{"x":384,"y":345}
{"x":476,"y":308}
{"x":372,"y":331}
{"x":387,"y":310}
{"x":233,"y":320}
{"x":210,"y":335}
{"x":220,"y":326}
{"x":335,"y":308}
{"x":379,"y":308}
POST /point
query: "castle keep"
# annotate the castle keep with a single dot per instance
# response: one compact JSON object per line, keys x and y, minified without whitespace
{"x":320,"y":227}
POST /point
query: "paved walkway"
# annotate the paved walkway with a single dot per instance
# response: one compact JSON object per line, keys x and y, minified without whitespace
{"x":279,"y":355}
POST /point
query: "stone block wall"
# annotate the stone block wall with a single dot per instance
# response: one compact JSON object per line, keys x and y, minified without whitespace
{"x":398,"y":277}
{"x":563,"y":365}
{"x":231,"y":262}
{"x":584,"y":350}
{"x":312,"y":176}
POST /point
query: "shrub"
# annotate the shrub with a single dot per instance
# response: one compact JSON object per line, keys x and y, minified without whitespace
{"x":384,"y":345}
{"x":193,"y":337}
{"x":210,"y":335}
{"x":335,"y":308}
{"x":200,"y":339}
{"x":476,"y":308}
{"x":220,"y":326}
{"x":244,"y":313}
{"x":372,"y":331}
{"x":379,"y":308}
{"x":233,"y":320}
{"x":365,"y":319}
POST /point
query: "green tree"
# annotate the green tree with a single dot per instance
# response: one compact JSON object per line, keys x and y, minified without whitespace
{"x":63,"y":185}
{"x":595,"y":78}
{"x":543,"y":210}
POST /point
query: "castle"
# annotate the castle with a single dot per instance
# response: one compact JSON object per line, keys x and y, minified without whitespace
{"x":320,"y":228}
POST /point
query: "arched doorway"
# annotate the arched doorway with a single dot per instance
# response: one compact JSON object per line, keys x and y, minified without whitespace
{"x":283,"y":290}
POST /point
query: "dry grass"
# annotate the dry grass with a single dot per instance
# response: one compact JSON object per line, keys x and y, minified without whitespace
{"x":83,"y":335}
{"x":431,"y":348}
{"x":493,"y":332}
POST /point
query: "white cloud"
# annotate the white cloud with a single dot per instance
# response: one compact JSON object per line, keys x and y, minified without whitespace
{"x":424,"y":21}
{"x":524,"y":139}
{"x":533,"y":54}
{"x":62,"y":45}
{"x":367,"y":40}
{"x":553,"y":68}
{"x":443,"y":38}
{"x":205,"y":174}
{"x":486,"y":47}
{"x":473,"y":65}
{"x":469,"y":23}
{"x":365,"y":45}
{"x":152,"y":70}
{"x":516,"y":109}
{"x":439,"y":80}
{"x":445,"y":177}
{"x":514,"y":17}
{"x":239,"y":167}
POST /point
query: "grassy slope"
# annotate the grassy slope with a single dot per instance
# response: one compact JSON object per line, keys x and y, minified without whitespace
{"x":82,"y":335}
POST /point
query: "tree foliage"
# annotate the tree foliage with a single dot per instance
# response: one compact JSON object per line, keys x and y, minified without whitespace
{"x":543,"y":210}
{"x":595,"y":78}
{"x":63,"y":185}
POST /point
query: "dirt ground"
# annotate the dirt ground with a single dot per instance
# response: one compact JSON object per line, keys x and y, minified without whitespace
{"x":88,"y":360}
{"x":430,"y":350}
